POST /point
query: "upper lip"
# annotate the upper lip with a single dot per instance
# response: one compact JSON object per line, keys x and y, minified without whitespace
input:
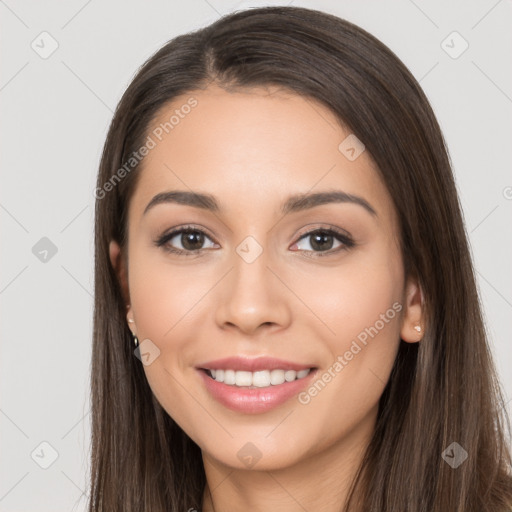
{"x":240,"y":363}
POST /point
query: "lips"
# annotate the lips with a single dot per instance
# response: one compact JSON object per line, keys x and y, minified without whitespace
{"x":247,"y":364}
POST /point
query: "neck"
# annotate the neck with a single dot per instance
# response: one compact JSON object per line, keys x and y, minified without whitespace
{"x":318,"y":481}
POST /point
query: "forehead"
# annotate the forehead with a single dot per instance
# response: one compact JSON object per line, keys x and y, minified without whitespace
{"x":251,"y":148}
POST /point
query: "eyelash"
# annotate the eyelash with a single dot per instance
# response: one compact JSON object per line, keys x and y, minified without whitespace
{"x":342,"y":237}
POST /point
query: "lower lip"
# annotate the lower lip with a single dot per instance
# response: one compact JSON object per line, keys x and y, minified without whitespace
{"x":254,"y":401}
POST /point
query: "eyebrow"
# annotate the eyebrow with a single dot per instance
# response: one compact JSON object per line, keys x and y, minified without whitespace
{"x":295,"y":203}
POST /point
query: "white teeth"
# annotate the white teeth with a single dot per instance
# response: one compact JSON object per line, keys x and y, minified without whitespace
{"x":259,"y":379}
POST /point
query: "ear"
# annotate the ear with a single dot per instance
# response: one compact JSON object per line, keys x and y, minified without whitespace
{"x":118,"y":262}
{"x":413,"y":327}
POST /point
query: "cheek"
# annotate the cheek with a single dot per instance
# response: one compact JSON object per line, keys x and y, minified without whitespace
{"x":165,"y":299}
{"x":171,"y":303}
{"x":361,"y":305}
{"x":351,"y":297}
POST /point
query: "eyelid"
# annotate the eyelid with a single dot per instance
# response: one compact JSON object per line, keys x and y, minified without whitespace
{"x":307,"y":230}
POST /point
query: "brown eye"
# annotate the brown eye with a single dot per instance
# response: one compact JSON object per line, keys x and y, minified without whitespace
{"x":323,"y":240}
{"x":186,"y":241}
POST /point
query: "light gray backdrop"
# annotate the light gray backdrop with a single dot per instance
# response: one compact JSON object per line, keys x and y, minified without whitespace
{"x":64,"y":68}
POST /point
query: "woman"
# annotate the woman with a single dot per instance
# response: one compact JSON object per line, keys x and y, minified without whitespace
{"x":285,"y":305}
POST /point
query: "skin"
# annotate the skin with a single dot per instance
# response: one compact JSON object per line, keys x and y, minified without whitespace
{"x":252,"y":149}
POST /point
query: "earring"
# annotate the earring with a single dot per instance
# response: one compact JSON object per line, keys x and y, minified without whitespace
{"x":130,"y":320}
{"x":135,"y":340}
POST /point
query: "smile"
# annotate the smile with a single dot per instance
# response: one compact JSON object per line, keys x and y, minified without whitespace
{"x":252,"y":385}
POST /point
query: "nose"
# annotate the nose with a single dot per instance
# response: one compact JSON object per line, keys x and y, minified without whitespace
{"x":253,"y":297}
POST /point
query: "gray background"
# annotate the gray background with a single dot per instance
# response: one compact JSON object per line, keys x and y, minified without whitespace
{"x":55,"y":113}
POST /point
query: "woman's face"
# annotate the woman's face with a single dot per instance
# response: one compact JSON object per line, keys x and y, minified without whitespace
{"x":271,"y":280}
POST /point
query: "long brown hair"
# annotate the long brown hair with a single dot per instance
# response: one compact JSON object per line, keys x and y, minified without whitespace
{"x":442,"y":390}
